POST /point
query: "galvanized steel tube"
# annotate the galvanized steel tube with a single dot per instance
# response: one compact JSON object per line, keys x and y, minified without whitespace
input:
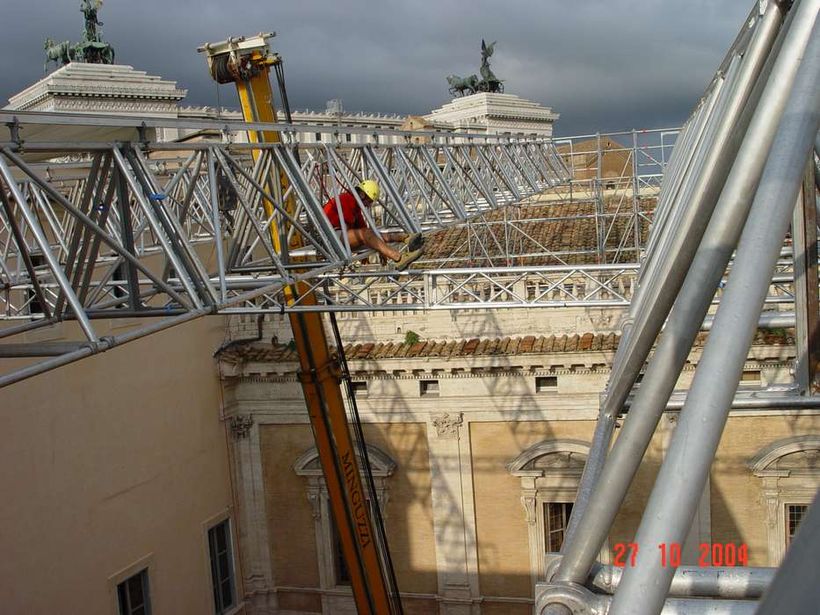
{"x":690,"y":307}
{"x":682,"y":476}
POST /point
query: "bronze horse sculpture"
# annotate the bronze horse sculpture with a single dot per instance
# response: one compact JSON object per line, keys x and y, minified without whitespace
{"x":472,"y":84}
{"x":61,"y":53}
{"x":463,"y":87}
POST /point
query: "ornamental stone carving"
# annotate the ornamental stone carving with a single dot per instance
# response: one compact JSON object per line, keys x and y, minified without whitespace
{"x":241,"y":425}
{"x":447,"y":425}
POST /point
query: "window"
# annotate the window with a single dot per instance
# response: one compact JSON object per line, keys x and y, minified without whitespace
{"x":556,"y":520}
{"x":348,"y":137}
{"x":219,"y":548}
{"x":544,"y":384}
{"x":34,"y":305}
{"x":359,"y":388}
{"x":340,"y":570}
{"x":318,"y":137}
{"x":550,"y":472}
{"x":794,"y":515}
{"x":751,"y":377}
{"x":333,"y":571}
{"x":119,"y":291}
{"x":428,"y":388}
{"x":132,"y":595}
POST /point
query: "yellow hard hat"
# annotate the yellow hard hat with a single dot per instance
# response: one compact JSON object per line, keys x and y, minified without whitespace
{"x":370,"y":188}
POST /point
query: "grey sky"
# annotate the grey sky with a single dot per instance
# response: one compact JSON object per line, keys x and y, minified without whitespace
{"x":602,"y":64}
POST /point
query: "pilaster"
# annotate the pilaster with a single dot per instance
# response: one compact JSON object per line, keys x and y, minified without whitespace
{"x":252,"y":530}
{"x":453,"y":513}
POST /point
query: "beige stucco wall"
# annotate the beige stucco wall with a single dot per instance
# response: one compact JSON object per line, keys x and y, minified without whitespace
{"x":109,"y":460}
{"x":294,"y":562}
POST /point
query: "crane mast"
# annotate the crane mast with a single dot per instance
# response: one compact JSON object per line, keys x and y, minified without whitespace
{"x":246,"y":62}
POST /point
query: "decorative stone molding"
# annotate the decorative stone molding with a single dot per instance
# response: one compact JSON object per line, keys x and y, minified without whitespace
{"x":81,"y":80}
{"x":447,"y":425}
{"x":790,"y":475}
{"x":524,"y":464}
{"x":314,"y":497}
{"x":528,"y":502}
{"x":241,"y":425}
{"x":771,"y":458}
{"x":496,"y":113}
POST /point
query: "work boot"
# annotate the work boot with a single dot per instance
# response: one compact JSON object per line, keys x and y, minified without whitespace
{"x":414,"y":241}
{"x":409,"y":257}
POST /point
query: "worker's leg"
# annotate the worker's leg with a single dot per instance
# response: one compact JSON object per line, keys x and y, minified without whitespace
{"x":358,"y":237}
{"x":394,"y":237}
{"x":414,"y":241}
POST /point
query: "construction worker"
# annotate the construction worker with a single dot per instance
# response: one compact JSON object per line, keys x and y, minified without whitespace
{"x":359,"y":234}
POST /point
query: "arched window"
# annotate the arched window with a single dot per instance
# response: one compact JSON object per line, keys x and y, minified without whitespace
{"x":790,"y":473}
{"x":550,"y":472}
{"x":332,"y":568}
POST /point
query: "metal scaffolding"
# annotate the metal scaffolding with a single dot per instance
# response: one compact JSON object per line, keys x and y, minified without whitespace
{"x":110,"y":228}
{"x":732,"y":184}
{"x":100,"y":221}
{"x":608,"y":201}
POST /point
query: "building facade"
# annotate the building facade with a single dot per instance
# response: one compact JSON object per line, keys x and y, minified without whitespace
{"x":181,"y":469}
{"x":477,"y":434}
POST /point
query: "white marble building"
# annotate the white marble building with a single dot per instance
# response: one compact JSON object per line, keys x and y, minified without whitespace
{"x":496,"y":114}
{"x":112,"y":89}
{"x":122,"y":90}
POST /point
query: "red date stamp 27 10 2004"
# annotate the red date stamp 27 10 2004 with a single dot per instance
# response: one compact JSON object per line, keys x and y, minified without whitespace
{"x":710,"y":554}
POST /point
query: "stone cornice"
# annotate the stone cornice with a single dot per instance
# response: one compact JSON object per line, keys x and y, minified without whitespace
{"x":79,"y":80}
{"x":500,"y":106}
{"x":591,"y":363}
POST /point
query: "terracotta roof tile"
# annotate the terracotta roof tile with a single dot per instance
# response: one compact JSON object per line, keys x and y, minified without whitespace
{"x":549,"y":344}
{"x":437,"y":348}
{"x":557,"y":226}
{"x":597,"y":342}
{"x":256,"y":352}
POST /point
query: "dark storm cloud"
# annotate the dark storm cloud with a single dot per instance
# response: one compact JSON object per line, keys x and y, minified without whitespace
{"x":604,"y":65}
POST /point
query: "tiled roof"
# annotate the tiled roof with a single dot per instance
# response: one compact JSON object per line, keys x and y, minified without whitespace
{"x":436,"y":348}
{"x":567,"y":228}
{"x":475,"y":347}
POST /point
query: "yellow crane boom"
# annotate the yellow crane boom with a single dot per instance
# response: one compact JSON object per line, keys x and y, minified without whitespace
{"x":246,"y":62}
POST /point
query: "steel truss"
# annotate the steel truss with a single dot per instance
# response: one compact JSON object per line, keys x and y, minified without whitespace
{"x":615,"y":180}
{"x":94,"y":230}
{"x":730,"y":187}
{"x":155,"y":229}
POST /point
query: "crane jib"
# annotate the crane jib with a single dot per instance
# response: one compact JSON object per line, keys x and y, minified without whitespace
{"x":358,"y":501}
